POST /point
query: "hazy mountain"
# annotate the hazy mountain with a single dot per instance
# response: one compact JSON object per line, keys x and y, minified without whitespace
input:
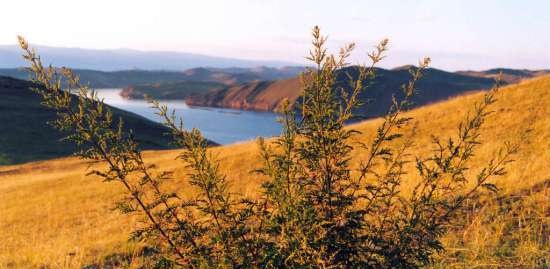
{"x":121,"y":79}
{"x":125,"y":59}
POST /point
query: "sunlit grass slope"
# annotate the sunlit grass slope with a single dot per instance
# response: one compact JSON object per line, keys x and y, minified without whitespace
{"x":53,"y":216}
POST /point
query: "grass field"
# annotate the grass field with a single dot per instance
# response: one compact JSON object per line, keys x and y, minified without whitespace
{"x":53,"y":216}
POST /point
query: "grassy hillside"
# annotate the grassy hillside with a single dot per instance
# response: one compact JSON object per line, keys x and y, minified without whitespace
{"x":267,"y":95}
{"x":53,"y":216}
{"x":25,"y":135}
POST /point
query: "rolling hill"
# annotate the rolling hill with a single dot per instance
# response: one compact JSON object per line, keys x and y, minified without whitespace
{"x":124,"y":78}
{"x":25,"y":136}
{"x":265,"y":72}
{"x":436,"y":85}
{"x":53,"y":216}
{"x":508,"y":75}
{"x":180,"y":90}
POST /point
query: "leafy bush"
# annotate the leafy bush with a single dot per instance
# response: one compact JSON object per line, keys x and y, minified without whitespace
{"x":314,"y":209}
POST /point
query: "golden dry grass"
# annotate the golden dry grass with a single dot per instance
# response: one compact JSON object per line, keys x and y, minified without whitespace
{"x":53,"y":216}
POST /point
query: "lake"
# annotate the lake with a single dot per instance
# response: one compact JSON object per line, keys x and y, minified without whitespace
{"x":223,"y":126}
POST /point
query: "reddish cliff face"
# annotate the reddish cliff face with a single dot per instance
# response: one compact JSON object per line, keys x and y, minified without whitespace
{"x":257,"y":95}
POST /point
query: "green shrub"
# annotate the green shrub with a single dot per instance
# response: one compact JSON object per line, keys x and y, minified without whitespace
{"x":314,"y":210}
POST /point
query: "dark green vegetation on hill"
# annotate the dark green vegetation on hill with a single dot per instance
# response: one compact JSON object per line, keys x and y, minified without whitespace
{"x":25,"y":135}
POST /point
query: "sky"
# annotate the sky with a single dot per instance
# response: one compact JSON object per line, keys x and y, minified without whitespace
{"x":456,"y":34}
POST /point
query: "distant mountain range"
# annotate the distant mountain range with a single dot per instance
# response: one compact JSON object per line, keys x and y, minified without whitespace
{"x":121,"y":79}
{"x":263,"y":88}
{"x":267,"y":95}
{"x":126,"y":59}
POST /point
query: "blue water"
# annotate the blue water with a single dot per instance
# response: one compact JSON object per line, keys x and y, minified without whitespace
{"x":223,"y":126}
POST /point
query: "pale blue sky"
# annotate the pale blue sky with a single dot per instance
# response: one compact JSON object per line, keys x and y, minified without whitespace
{"x":456,"y":34}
